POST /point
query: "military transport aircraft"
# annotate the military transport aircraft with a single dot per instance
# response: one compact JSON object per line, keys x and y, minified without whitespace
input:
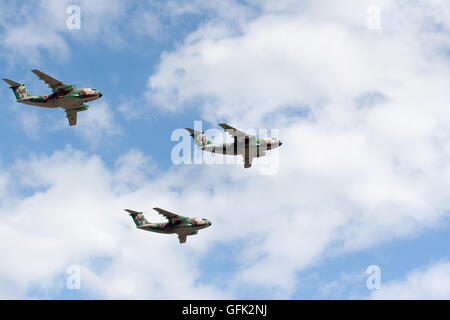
{"x":183,"y":226}
{"x":249,"y":146}
{"x":66,"y":96}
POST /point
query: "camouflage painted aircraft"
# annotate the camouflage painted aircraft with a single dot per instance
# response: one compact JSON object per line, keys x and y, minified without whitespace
{"x":248,"y":146}
{"x":183,"y":226}
{"x":64,"y":95}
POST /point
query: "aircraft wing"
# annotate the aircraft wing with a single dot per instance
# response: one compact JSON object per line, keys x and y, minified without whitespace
{"x":72,"y":117}
{"x":52,"y":82}
{"x":182,"y":237}
{"x":169,"y":215}
{"x":248,"y":158}
{"x":233,"y":131}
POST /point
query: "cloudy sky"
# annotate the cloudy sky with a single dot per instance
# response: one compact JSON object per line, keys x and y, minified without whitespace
{"x":358,"y":91}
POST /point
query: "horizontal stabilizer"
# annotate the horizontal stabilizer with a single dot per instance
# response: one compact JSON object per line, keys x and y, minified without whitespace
{"x":193,"y":132}
{"x":20,"y":91}
{"x":200,"y":139}
{"x":138,"y":217}
{"x":13,"y":84}
{"x":132,"y":211}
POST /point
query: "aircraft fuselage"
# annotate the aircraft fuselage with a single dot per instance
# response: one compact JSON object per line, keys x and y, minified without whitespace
{"x":256,"y":146}
{"x":191,"y":225}
{"x":65,"y":100}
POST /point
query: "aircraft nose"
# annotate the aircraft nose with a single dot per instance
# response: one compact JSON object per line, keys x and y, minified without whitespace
{"x":280,"y":143}
{"x":100,"y":94}
{"x":209,"y":223}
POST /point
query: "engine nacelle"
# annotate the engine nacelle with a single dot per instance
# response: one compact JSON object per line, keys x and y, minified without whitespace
{"x":83,"y":107}
{"x":65,"y":88}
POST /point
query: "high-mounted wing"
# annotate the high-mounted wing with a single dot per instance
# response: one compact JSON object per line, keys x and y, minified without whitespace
{"x":248,"y":159}
{"x":169,"y":215}
{"x":182,"y":237}
{"x":72,"y":117}
{"x":233,"y":131}
{"x":52,"y":82}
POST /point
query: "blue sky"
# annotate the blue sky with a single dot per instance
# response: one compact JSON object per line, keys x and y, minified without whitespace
{"x":362,"y":178}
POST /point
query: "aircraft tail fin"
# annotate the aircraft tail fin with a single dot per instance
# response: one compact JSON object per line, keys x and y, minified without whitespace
{"x":200,"y":138}
{"x":138,"y":217}
{"x":20,"y":90}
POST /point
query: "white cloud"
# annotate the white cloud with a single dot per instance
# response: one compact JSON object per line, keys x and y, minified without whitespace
{"x":130,"y":112}
{"x":74,"y":215}
{"x":97,"y":123}
{"x":148,"y":24}
{"x":26,"y":35}
{"x":352,"y":174}
{"x":432,"y":282}
{"x":30,"y":122}
{"x":348,"y":285}
{"x":288,"y":59}
{"x":134,"y":168}
{"x":4,"y":181}
{"x":94,"y":125}
{"x":355,"y":171}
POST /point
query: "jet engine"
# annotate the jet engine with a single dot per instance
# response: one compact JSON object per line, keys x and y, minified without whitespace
{"x":83,"y":107}
{"x":65,"y":88}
